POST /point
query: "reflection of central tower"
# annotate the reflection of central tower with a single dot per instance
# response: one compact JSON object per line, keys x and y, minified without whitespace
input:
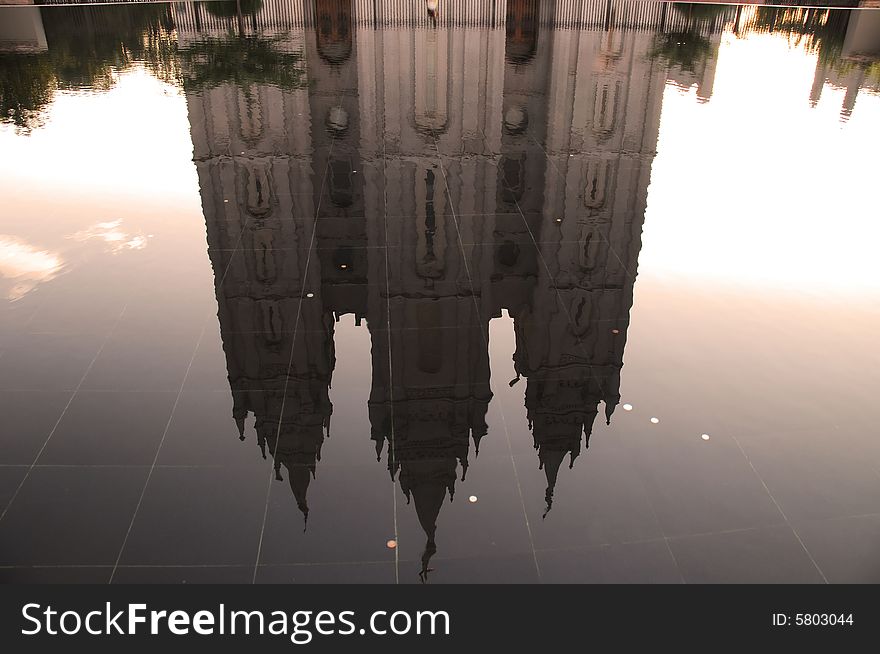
{"x":430,"y":388}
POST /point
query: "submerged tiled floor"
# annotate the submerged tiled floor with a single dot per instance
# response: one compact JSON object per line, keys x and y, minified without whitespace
{"x":400,"y":306}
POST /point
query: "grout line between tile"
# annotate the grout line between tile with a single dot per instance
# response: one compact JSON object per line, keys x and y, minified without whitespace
{"x":63,"y":412}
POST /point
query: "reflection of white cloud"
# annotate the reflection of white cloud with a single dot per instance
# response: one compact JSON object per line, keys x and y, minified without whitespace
{"x":113,"y":236}
{"x":23,"y":267}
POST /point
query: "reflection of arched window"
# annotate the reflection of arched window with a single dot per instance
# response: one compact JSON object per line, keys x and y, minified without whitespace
{"x":430,"y":336}
{"x":521,"y":41}
{"x":341,"y":191}
{"x":596,"y":183}
{"x":605,"y":106}
{"x":333,"y":18}
{"x":513,"y":178}
{"x":264,"y":256}
{"x":590,"y":249}
{"x":431,"y":243}
{"x":259,"y":189}
{"x":270,"y":320}
{"x":581,"y":311}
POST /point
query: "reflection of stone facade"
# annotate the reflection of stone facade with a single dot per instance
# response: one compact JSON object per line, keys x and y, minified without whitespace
{"x":535,"y":207}
{"x":21,"y":30}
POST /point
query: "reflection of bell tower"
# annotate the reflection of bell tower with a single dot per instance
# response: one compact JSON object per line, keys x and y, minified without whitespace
{"x":258,"y":187}
{"x":592,"y":126}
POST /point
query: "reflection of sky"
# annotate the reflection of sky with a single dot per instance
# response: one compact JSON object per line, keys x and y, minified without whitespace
{"x":108,"y":170}
{"x":23,"y":267}
{"x":113,"y":236}
{"x":757,"y":189}
{"x":753,"y":188}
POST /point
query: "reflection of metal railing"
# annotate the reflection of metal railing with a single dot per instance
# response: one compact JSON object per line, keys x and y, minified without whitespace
{"x":565,"y":14}
{"x":89,"y":2}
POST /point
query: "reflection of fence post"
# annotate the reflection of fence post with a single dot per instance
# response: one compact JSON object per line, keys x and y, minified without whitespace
{"x":240,"y":18}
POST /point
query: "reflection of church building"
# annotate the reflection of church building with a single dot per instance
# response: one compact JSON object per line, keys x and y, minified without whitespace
{"x":547,"y":138}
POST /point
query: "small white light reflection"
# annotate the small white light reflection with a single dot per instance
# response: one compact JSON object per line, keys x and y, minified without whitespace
{"x":654,"y":421}
{"x":310,"y":295}
{"x":705,"y":437}
{"x":627,"y":407}
{"x":391,"y":544}
{"x":472,"y":499}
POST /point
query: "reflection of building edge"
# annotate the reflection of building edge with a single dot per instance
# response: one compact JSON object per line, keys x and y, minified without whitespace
{"x":548,"y":177}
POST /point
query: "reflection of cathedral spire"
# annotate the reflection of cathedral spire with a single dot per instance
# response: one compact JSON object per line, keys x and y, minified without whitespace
{"x":581,"y":200}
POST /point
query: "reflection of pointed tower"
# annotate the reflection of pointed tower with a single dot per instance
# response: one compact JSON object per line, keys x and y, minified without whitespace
{"x":258,"y":184}
{"x":596,"y":133}
{"x":429,"y":401}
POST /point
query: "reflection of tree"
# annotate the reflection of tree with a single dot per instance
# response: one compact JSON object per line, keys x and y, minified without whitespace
{"x":817,"y":30}
{"x":88,"y":47}
{"x":27,"y":83}
{"x":688,"y":49}
{"x":243,"y":61}
{"x":822,"y":31}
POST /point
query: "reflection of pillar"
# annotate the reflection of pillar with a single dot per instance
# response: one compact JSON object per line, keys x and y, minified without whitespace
{"x":818,"y":83}
{"x":706,"y":83}
{"x":21,"y":30}
{"x":853,"y":83}
{"x":862,"y":34}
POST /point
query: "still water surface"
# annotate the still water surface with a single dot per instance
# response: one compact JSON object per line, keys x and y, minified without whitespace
{"x":338,"y":291}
